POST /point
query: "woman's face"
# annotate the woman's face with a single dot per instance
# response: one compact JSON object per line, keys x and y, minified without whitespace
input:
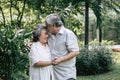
{"x":43,"y":38}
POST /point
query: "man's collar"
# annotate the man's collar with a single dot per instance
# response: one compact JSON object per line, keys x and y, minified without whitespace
{"x":61,"y":31}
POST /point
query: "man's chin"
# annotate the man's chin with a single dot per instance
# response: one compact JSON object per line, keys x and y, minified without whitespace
{"x":53,"y":33}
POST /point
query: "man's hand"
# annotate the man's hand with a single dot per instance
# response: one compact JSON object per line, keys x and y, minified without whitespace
{"x":65,"y":58}
{"x":56,"y":61}
{"x":28,"y":46}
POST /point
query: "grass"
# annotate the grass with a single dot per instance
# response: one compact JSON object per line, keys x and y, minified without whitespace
{"x":111,"y":75}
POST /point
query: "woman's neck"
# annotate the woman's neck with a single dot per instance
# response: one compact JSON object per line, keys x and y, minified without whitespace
{"x":43,"y":44}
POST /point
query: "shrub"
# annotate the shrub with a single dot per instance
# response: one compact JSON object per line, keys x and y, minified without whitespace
{"x":13,"y":54}
{"x":95,"y":60}
{"x":104,"y":42}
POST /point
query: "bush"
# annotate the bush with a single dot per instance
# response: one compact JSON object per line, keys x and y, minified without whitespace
{"x":95,"y":60}
{"x":104,"y":42}
{"x":13,"y":54}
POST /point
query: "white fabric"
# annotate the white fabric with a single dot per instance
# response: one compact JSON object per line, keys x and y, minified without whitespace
{"x":40,"y":53}
{"x":60,"y":45}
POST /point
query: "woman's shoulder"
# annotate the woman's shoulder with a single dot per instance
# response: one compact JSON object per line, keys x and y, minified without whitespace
{"x":34,"y":44}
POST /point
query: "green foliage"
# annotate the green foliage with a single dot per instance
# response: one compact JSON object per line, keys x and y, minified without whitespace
{"x":13,"y":54}
{"x":95,"y":60}
{"x":35,"y":4}
{"x":104,"y":42}
{"x":111,"y":27}
{"x":18,"y":17}
{"x":111,"y":75}
{"x":95,"y":6}
{"x":78,"y":25}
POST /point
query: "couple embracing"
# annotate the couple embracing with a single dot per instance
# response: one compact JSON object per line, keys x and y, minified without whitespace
{"x":53,"y":52}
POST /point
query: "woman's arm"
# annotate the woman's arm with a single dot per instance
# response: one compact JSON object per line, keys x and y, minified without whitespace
{"x":42,"y":63}
{"x":34,"y":58}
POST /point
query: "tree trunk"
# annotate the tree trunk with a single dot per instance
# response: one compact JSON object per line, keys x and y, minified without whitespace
{"x":86,"y":23}
{"x":19,"y":21}
{"x":100,"y":35}
{"x":11,"y":10}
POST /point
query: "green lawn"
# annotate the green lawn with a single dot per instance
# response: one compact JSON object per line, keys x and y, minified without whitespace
{"x":111,"y":75}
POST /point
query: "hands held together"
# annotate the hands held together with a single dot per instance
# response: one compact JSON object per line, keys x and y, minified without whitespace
{"x":56,"y":61}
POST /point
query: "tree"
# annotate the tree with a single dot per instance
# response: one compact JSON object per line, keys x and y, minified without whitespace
{"x":96,"y":7}
{"x":86,"y":23}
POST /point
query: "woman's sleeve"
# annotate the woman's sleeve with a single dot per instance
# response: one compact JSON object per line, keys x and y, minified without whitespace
{"x":33,"y":55}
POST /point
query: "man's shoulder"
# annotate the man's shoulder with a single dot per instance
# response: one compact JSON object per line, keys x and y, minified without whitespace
{"x":68,"y":31}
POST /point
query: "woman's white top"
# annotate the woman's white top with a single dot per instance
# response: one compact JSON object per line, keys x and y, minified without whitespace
{"x":40,"y":53}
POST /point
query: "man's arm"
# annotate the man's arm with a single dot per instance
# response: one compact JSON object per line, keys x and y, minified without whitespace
{"x":71,"y":46}
{"x":66,"y":58}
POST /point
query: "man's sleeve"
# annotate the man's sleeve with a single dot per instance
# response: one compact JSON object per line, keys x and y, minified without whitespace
{"x":72,"y":43}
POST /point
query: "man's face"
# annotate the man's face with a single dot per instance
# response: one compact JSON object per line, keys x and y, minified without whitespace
{"x":51,"y":29}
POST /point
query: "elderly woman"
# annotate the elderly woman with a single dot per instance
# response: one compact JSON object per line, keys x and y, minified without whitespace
{"x":39,"y":56}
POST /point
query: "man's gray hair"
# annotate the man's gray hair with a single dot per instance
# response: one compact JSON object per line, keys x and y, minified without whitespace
{"x":53,"y":19}
{"x":37,"y":32}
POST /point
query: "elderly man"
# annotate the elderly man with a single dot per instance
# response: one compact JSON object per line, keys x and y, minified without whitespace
{"x":64,"y":48}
